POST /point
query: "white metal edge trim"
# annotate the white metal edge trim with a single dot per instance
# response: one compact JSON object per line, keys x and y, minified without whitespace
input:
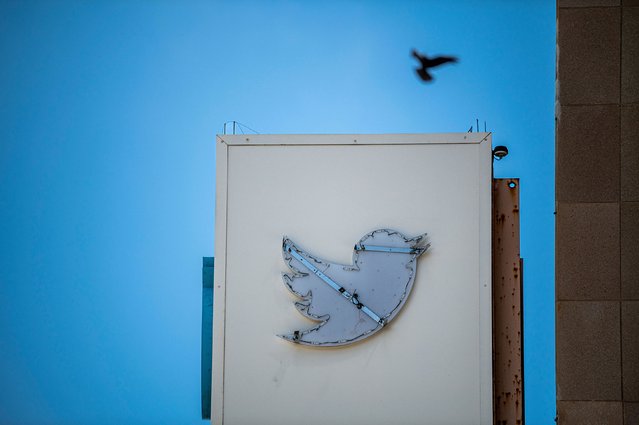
{"x":219,"y":283}
{"x":352,"y":139}
{"x":485,"y":174}
{"x":485,"y":276}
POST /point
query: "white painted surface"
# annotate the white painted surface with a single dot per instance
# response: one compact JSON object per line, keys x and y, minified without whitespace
{"x":432,"y":364}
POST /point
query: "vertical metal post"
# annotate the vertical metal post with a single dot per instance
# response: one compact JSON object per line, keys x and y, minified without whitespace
{"x":508,"y":380}
{"x":208,"y":264}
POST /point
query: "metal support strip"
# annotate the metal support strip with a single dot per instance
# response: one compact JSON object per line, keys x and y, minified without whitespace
{"x":208,"y":264}
{"x":353,"y":298}
{"x":508,"y":360}
{"x":379,"y":248}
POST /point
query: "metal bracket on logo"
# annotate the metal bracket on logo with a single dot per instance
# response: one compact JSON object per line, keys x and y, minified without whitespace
{"x":378,"y":248}
{"x":353,"y":298}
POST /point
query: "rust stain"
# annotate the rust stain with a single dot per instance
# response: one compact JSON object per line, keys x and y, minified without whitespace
{"x":507,"y":325}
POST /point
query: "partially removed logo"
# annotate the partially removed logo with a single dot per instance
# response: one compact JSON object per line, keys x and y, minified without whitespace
{"x":352,"y":302}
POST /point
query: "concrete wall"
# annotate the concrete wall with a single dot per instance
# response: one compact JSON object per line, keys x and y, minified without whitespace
{"x":597,"y":203}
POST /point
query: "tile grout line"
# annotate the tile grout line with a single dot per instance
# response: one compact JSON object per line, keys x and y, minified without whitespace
{"x":594,"y":300}
{"x":587,"y":7}
{"x":623,"y":416}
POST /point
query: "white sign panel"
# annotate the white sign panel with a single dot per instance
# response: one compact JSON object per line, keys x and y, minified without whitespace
{"x":382,"y":243}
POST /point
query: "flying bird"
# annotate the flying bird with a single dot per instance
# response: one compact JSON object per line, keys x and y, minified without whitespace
{"x":352,"y":302}
{"x":427,"y":63}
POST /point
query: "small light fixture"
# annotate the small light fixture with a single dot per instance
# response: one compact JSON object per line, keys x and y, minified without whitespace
{"x":500,"y":152}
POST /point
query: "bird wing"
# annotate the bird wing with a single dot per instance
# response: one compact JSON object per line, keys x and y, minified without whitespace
{"x":421,"y":58}
{"x":306,"y":284}
{"x":341,"y":321}
{"x":439,"y":60}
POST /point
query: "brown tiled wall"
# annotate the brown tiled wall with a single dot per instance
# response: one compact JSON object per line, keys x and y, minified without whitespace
{"x":597,"y":203}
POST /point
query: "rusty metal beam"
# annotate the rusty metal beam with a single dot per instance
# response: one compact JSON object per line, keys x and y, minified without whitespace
{"x":508,"y":382}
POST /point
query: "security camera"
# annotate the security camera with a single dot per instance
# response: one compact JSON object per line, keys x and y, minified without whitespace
{"x":500,"y":152}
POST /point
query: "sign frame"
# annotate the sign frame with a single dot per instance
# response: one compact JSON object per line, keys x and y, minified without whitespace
{"x":227,"y":143}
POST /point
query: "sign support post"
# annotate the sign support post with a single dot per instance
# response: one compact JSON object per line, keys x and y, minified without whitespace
{"x":508,"y":381}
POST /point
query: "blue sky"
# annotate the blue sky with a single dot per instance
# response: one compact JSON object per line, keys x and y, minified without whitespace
{"x":109,"y":115}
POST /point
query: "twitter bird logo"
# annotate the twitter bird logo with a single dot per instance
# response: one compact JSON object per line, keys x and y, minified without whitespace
{"x":352,"y":302}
